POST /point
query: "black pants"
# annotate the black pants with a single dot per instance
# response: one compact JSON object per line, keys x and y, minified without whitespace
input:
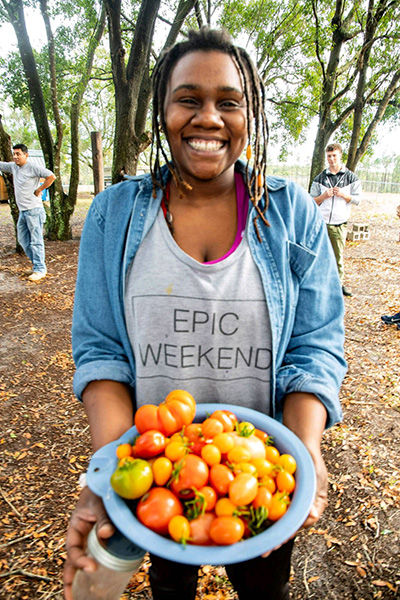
{"x":256,"y":579}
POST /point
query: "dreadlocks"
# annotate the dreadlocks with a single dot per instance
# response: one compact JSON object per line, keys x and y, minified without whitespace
{"x":207,"y":40}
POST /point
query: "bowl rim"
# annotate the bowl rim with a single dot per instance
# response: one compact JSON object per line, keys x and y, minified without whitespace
{"x":104,"y":462}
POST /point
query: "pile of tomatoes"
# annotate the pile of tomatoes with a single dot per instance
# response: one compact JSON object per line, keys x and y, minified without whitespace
{"x":210,"y":483}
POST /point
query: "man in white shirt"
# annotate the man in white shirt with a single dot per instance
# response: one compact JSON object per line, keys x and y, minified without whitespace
{"x":334,"y":190}
{"x":28,"y":196}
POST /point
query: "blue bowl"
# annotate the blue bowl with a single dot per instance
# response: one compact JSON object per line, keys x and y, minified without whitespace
{"x":104,"y":462}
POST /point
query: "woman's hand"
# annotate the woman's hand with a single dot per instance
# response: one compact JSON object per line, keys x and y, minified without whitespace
{"x":88,"y":512}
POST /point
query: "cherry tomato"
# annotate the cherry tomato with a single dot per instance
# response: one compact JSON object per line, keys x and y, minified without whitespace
{"x":124,"y":450}
{"x":176,"y":450}
{"x":211,"y":454}
{"x":263,"y":466}
{"x":156,"y":508}
{"x":239,"y":454}
{"x":179,"y":529}
{"x":210,"y":497}
{"x":224,"y":441}
{"x":190,"y":472}
{"x":220,"y":478}
{"x":244,"y":467}
{"x":226,"y":530}
{"x":245,"y":429}
{"x":263,"y":498}
{"x":268,"y":482}
{"x":285,"y":482}
{"x":225,"y":419}
{"x":287,"y":462}
{"x":162,"y":469}
{"x":225,"y":507}
{"x":200,"y":530}
{"x":278,"y":506}
{"x":149,"y":444}
{"x":132,"y":479}
{"x":264,"y":437}
{"x":211,"y":427}
{"x":195,"y":437}
{"x":243,"y":489}
{"x":272,"y":454}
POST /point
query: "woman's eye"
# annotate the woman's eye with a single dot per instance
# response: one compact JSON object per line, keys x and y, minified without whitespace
{"x":188,"y":101}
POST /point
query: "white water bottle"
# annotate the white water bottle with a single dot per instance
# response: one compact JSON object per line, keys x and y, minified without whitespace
{"x":117,"y":560}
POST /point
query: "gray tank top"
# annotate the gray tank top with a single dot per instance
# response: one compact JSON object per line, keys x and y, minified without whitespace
{"x":200,"y":327}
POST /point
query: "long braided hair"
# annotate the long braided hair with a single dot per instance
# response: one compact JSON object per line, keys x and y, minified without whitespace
{"x":207,"y":40}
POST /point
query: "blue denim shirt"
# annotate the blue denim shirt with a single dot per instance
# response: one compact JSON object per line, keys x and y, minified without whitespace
{"x":297,"y":268}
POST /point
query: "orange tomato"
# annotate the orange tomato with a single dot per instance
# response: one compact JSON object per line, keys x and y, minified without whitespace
{"x":162,"y":469}
{"x":179,"y":529}
{"x":211,"y":454}
{"x":272,"y":454}
{"x":287,"y":462}
{"x":263,"y":498}
{"x":225,"y":419}
{"x":285,"y":482}
{"x":243,"y":489}
{"x":124,"y":450}
{"x":278,"y":507}
{"x":226,"y":530}
{"x":220,"y":478}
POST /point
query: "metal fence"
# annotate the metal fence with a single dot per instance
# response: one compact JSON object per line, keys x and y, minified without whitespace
{"x":300,"y":175}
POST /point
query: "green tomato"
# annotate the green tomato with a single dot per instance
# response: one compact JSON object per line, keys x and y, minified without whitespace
{"x":132,"y":479}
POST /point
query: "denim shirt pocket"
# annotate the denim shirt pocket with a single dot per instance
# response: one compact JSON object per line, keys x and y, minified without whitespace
{"x":301,"y":259}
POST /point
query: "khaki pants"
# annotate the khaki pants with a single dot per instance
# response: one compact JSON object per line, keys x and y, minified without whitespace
{"x":337,"y":235}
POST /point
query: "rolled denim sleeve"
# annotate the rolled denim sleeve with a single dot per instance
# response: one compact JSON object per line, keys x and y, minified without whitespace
{"x":98,"y":346}
{"x":313,"y":360}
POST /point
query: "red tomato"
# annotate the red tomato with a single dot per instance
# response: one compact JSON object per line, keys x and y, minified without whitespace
{"x":156,"y":508}
{"x":200,"y":530}
{"x":226,"y":530}
{"x":196,"y":438}
{"x":220,"y":478}
{"x":190,"y":472}
{"x":149,"y":444}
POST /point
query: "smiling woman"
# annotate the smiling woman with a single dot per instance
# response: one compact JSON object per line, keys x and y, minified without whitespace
{"x":192,"y":288}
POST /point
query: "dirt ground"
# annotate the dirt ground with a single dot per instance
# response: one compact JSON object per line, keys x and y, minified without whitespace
{"x":353,"y":552}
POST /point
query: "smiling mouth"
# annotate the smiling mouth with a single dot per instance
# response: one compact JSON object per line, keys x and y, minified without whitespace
{"x":205,"y":146}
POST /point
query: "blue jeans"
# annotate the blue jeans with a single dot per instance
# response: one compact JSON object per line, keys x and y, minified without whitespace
{"x":30,"y":236}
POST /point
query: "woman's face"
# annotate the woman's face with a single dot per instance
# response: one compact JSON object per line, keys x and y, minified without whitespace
{"x":205,"y":115}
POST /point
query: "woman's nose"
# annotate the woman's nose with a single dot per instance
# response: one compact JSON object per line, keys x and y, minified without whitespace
{"x":208,"y":115}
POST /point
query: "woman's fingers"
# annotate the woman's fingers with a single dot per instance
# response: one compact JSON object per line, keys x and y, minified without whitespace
{"x":89,"y":511}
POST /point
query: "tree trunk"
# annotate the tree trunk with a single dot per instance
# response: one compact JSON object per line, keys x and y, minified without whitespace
{"x":326,"y":127}
{"x":97,"y":159}
{"x":6,"y":156}
{"x":132,"y":81}
{"x":391,"y":91}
